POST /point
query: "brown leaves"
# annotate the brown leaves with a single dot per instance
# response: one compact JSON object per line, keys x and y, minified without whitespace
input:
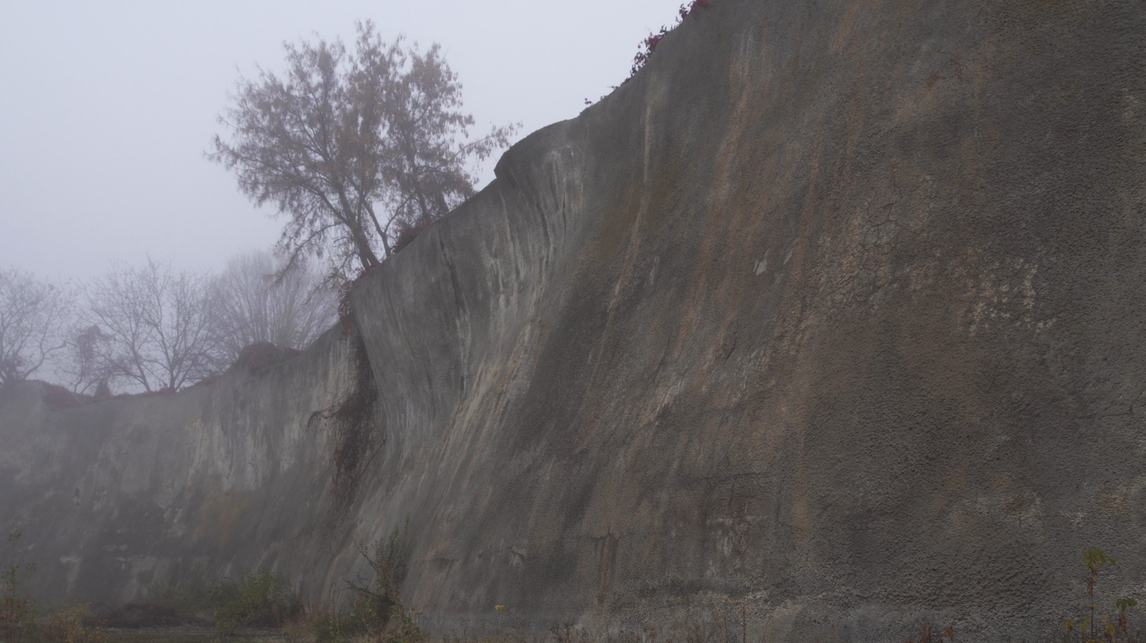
{"x":349,"y":146}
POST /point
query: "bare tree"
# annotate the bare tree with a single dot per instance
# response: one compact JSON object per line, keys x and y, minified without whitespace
{"x":254,"y":305}
{"x":81,"y":364}
{"x":164,"y":331}
{"x":33,"y":317}
{"x":350,"y":147}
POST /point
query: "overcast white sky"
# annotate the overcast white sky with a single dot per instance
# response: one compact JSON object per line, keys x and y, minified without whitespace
{"x":107,"y":107}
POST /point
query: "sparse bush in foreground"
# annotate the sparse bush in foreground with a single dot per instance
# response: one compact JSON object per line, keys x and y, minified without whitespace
{"x":260,"y":599}
{"x":18,"y":612}
{"x":71,"y":625}
{"x":375,"y":609}
{"x":17,"y":609}
{"x":1093,"y":625}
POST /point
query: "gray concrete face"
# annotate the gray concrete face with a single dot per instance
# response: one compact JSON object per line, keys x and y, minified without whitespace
{"x":113,"y":496}
{"x":833,"y":313}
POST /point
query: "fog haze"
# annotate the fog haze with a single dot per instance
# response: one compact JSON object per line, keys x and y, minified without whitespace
{"x":107,"y":108}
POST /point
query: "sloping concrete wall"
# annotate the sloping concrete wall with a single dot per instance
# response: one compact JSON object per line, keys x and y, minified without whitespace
{"x":833,"y":313}
{"x":113,"y":496}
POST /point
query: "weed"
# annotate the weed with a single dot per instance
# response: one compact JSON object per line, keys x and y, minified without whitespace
{"x":1094,"y":559}
{"x":375,"y":609}
{"x":402,"y":629}
{"x":389,"y":564}
{"x":261,"y":598}
{"x":926,"y":636}
{"x":376,"y":598}
{"x":17,"y":609}
{"x":1091,"y":626}
{"x":18,"y":612}
{"x":69,"y":625}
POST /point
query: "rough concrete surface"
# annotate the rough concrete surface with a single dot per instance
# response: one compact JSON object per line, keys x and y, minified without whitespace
{"x":834,"y":313}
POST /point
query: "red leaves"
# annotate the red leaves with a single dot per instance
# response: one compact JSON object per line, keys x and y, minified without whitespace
{"x":407,"y":234}
{"x":649,"y":45}
{"x":58,"y":398}
{"x":692,"y":9}
{"x":263,"y":355}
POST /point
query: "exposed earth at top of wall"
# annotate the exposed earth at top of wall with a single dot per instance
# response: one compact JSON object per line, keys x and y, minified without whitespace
{"x":835,"y":312}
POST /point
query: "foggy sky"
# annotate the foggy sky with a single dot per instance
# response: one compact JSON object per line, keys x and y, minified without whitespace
{"x":106,"y":108}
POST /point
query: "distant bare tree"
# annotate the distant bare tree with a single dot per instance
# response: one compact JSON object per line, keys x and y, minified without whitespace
{"x":254,"y":305}
{"x":164,"y":330}
{"x":81,"y":365}
{"x":353,"y":147}
{"x":33,"y":317}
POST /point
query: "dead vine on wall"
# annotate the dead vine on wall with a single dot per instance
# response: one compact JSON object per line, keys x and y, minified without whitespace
{"x":358,"y":438}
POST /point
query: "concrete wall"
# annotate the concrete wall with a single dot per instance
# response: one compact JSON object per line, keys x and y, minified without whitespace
{"x":833,"y":313}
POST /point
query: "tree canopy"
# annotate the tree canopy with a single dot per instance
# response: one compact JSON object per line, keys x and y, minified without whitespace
{"x":252,"y":306}
{"x":33,"y":323}
{"x":353,"y":147}
{"x":160,"y":324}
